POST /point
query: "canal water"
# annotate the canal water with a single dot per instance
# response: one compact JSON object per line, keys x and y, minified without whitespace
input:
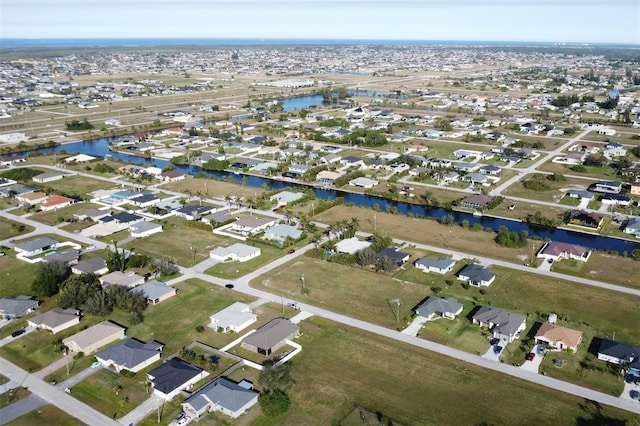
{"x":99,"y":148}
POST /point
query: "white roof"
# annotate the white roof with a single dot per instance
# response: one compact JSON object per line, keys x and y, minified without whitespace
{"x":285,"y":197}
{"x":351,"y":245}
{"x":239,"y":249}
{"x":363,"y":181}
{"x":80,"y":158}
{"x":233,"y":315}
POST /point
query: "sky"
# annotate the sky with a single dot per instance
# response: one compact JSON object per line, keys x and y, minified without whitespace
{"x":583,"y":21}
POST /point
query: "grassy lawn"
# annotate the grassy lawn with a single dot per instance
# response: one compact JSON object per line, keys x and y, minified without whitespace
{"x":599,"y":267}
{"x":554,"y":194}
{"x":101,"y":391}
{"x":75,"y":366}
{"x":522,"y":210}
{"x":17,"y":275}
{"x":426,"y":232}
{"x":78,"y":185}
{"x":56,"y":216}
{"x":212,"y":188}
{"x":233,"y":270}
{"x":366,"y":296}
{"x":13,"y":396}
{"x":346,"y":367}
{"x":179,"y":241}
{"x":10,"y":229}
{"x":604,"y":173}
{"x":46,"y":415}
{"x":569,"y":201}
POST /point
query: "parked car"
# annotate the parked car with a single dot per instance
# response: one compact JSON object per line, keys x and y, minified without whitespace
{"x":291,"y":251}
{"x":18,"y":332}
{"x":497,"y":349}
{"x":494,"y":341}
{"x":229,"y":285}
{"x":179,"y":416}
{"x":95,"y":364}
{"x":530,"y":356}
{"x":184,"y":420}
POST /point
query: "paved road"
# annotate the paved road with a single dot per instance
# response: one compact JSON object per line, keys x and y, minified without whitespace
{"x":20,"y":408}
{"x":54,"y":395}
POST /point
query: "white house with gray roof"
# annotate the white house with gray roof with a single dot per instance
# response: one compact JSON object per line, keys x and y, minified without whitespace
{"x":155,"y":291}
{"x":55,"y":320}
{"x":271,"y":336}
{"x":441,"y":265}
{"x":144,"y":229}
{"x":281,"y":232}
{"x":96,"y":265}
{"x":33,"y":247}
{"x":235,"y":317}
{"x":476,"y":275}
{"x":223,"y":395}
{"x":252,"y":224}
{"x":503,"y":325}
{"x":130,"y":354}
{"x":16,"y":307}
{"x":436,"y":307}
{"x":235,"y":252}
{"x":285,"y":197}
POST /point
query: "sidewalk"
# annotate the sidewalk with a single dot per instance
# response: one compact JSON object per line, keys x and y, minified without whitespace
{"x":56,"y":365}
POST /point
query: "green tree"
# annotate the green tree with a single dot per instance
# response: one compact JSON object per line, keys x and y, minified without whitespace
{"x":50,"y":277}
{"x":274,"y":403}
{"x":275,"y":376}
{"x":116,"y":259}
{"x":366,"y":257}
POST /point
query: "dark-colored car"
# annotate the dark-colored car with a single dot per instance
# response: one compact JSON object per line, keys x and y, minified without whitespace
{"x":530,"y":356}
{"x":291,"y":251}
{"x":179,"y":416}
{"x":497,"y":349}
{"x":229,"y":285}
{"x":18,"y":332}
{"x":494,"y":341}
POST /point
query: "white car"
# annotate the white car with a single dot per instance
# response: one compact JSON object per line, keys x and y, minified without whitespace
{"x":95,"y":364}
{"x":184,"y":421}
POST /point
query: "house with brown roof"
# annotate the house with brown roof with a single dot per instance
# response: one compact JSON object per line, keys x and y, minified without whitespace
{"x":558,"y":337}
{"x":171,"y":176}
{"x":55,"y":201}
{"x":127,"y":279}
{"x":585,"y":218}
{"x":555,"y":251}
{"x":476,"y":201}
{"x":93,"y":338}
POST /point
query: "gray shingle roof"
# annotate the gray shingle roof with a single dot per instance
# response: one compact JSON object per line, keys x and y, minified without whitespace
{"x":272,"y":333}
{"x":173,"y":374}
{"x":222,"y":392}
{"x":130,"y":352}
{"x":38,"y":243}
{"x":438,"y":305}
{"x":506,"y":322}
{"x":154,"y":289}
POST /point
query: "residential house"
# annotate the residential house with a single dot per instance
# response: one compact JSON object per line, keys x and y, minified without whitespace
{"x":608,"y":187}
{"x":36,"y":246}
{"x":16,"y":307}
{"x":491,"y":170}
{"x":235,"y":317}
{"x":327,"y":178}
{"x":155,"y":291}
{"x":441,"y":265}
{"x":616,"y":199}
{"x":55,"y":320}
{"x":54,"y":202}
{"x":93,"y":214}
{"x":556,"y":250}
{"x":144,"y":229}
{"x":223,"y":395}
{"x":174,"y":376}
{"x":477,"y":202}
{"x":171,"y":176}
{"x":194,"y":212}
{"x":48,"y":177}
{"x":582,"y":195}
{"x":633,"y":227}
{"x":285,"y":197}
{"x":436,"y":307}
{"x":398,"y":257}
{"x":252,"y":224}
{"x":32,"y":198}
{"x":363,"y":182}
{"x":476,"y":275}
{"x":351,"y":245}
{"x":93,"y":338}
{"x":621,"y":354}
{"x":97,"y":266}
{"x":504,"y":325}
{"x":585,"y":218}
{"x":236,"y":252}
{"x":131,"y":355}
{"x":477,"y":179}
{"x":558,"y":337}
{"x":218,"y":218}
{"x":271,"y":336}
{"x":145,"y":200}
{"x":68,"y":257}
{"x":128,"y":279}
{"x":281,"y":232}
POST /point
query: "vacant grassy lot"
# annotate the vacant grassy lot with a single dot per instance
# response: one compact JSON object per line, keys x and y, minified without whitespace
{"x":47,"y":415}
{"x":78,"y":185}
{"x":178,"y":241}
{"x":212,"y":188}
{"x":555,"y":192}
{"x":10,"y":229}
{"x":53,"y":217}
{"x":112,"y":393}
{"x":426,"y":232}
{"x":601,"y":266}
{"x":345,"y":289}
{"x":346,"y":367}
{"x":17,"y":275}
{"x":605,"y":173}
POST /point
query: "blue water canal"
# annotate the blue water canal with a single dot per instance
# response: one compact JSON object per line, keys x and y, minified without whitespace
{"x":99,"y":148}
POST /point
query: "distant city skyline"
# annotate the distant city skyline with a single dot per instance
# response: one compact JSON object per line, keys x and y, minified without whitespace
{"x":570,"y":21}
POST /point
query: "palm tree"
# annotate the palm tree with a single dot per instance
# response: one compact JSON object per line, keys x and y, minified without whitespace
{"x":227,"y":198}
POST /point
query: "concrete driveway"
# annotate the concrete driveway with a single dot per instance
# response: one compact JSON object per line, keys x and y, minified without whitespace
{"x":415,"y":326}
{"x":534,"y":365}
{"x":630,"y":390}
{"x":490,"y":354}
